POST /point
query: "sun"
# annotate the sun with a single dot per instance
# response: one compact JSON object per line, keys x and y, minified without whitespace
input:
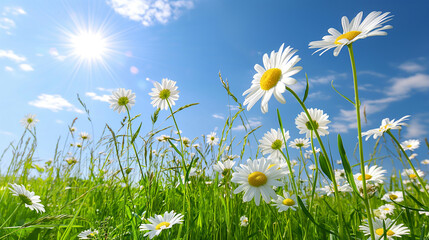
{"x":89,"y":45}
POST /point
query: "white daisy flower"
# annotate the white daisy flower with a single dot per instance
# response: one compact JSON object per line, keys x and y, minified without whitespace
{"x":272,"y":78}
{"x":224,"y":167}
{"x":300,"y":143}
{"x":328,"y":189}
{"x":374,"y":174}
{"x":29,"y":199}
{"x":163,"y":138}
{"x":386,"y":209}
{"x":88,"y":234}
{"x":257,"y":178}
{"x":339,"y":162}
{"x":412,"y":156}
{"x":244,"y":221}
{"x":186,"y":141}
{"x":73,"y":129}
{"x":425,"y":162}
{"x":424,"y":213}
{"x":352,"y":31}
{"x":161,"y":93}
{"x":159,"y":223}
{"x":393,"y":230}
{"x":410,"y":173}
{"x":29,"y":121}
{"x":396,"y":196}
{"x":386,"y":124}
{"x":272,"y":143}
{"x":312,"y":167}
{"x":122,"y":99}
{"x":283,"y":203}
{"x":212,"y":140}
{"x":411,"y":145}
{"x":339,"y":174}
{"x":320,"y":122}
{"x":229,"y":157}
{"x":309,"y":153}
{"x":84,"y":136}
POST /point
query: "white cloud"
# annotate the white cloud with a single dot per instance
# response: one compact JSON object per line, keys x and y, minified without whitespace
{"x":7,"y":23}
{"x":411,"y":67}
{"x":417,"y":127}
{"x":372,"y":73}
{"x":253,"y":122}
{"x":105,"y":89}
{"x":9,"y":69}
{"x":233,"y":107}
{"x":218,"y":116}
{"x":11,"y":55}
{"x":319,"y":95}
{"x":55,"y":54}
{"x":328,"y":78}
{"x":94,"y":96}
{"x":149,"y":12}
{"x":54,"y":103}
{"x":26,"y":67}
{"x":14,"y":11}
{"x":403,"y":86}
{"x":6,"y":133}
{"x":59,"y":121}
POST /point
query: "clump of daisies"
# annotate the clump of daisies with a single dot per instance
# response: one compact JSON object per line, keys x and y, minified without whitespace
{"x":256,"y":178}
{"x":122,"y":99}
{"x":159,"y":223}
{"x":319,"y":123}
{"x":29,"y":121}
{"x":272,"y":78}
{"x":164,"y":93}
{"x":29,"y":199}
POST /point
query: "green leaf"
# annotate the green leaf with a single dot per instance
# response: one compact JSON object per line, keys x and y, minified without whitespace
{"x":306,"y":89}
{"x":325,"y":166}
{"x":305,"y":211}
{"x":346,"y":165}
{"x":182,"y":108}
{"x":348,"y":99}
{"x":136,"y":134}
{"x":417,"y":201}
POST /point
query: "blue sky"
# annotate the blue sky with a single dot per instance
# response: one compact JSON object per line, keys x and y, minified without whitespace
{"x":190,"y":42}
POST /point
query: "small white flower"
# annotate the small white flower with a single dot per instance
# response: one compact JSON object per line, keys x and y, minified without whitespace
{"x":159,"y":223}
{"x":272,"y":143}
{"x":411,"y":174}
{"x":122,"y":99}
{"x":380,"y":225}
{"x":410,"y":144}
{"x":320,"y":122}
{"x":300,"y":143}
{"x":223,"y":167}
{"x":244,"y":221}
{"x":29,"y":199}
{"x":84,"y":136}
{"x":212,"y":140}
{"x":386,"y":209}
{"x":163,"y":138}
{"x":283,"y":203}
{"x":164,"y":94}
{"x":412,"y":156}
{"x":425,"y":162}
{"x":396,"y":196}
{"x":386,"y":124}
{"x":312,"y":167}
{"x":29,"y":121}
{"x":374,"y":174}
{"x":88,"y":234}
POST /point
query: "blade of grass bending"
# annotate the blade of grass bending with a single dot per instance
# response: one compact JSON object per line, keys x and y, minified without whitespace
{"x":348,"y":99}
{"x":324,"y":165}
{"x":181,"y":108}
{"x":136,"y":134}
{"x":417,"y":201}
{"x":306,"y":90}
{"x":67,"y":232}
{"x":346,"y":165}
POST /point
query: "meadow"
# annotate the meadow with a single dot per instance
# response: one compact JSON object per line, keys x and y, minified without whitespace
{"x":129,"y":184}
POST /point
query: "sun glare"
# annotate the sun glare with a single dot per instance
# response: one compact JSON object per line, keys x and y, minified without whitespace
{"x":89,"y":45}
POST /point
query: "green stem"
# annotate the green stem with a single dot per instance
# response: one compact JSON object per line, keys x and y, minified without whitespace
{"x":13,"y":213}
{"x":132,"y":143}
{"x":359,"y":128}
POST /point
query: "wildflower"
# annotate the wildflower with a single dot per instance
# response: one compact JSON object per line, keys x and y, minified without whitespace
{"x":29,"y":199}
{"x":339,"y":162}
{"x":186,"y":141}
{"x":212,"y":140}
{"x":386,"y":209}
{"x":320,"y":122}
{"x":73,"y":129}
{"x":163,"y":138}
{"x":339,"y":174}
{"x":312,"y":167}
{"x":300,"y":143}
{"x":164,"y":94}
{"x":255,"y":179}
{"x":229,"y":157}
{"x":380,"y":225}
{"x":272,"y":143}
{"x":396,"y":196}
{"x":224,"y":167}
{"x":159,"y":223}
{"x":374,"y":174}
{"x":84,"y":136}
{"x":425,"y":162}
{"x":342,"y":186}
{"x":410,"y":173}
{"x":88,"y":234}
{"x":283,"y":203}
{"x":386,"y":124}
{"x":355,"y":30}
{"x":412,"y":156}
{"x":29,"y":121}
{"x":410,"y":144}
{"x":272,"y":78}
{"x":244,"y":221}
{"x":121,"y":100}
{"x":78,"y":145}
{"x":310,"y":152}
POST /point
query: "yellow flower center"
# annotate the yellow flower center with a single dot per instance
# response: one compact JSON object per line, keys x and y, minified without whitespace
{"x":29,"y":120}
{"x":393,"y":196}
{"x":164,"y":94}
{"x":270,"y":78}
{"x":288,"y":202}
{"x":310,"y":127}
{"x":25,"y":199}
{"x":348,"y":35}
{"x":386,"y":209}
{"x":413,"y":175}
{"x":122,"y":101}
{"x":277,"y":144}
{"x":257,"y":179}
{"x":367,"y":177}
{"x":380,"y":232}
{"x":409,"y":146}
{"x":167,"y":224}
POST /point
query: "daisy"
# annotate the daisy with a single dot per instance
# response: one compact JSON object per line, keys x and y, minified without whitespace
{"x":299,"y":143}
{"x":393,"y":230}
{"x":386,"y":209}
{"x":352,"y":31}
{"x":212,"y":140}
{"x":159,"y":223}
{"x":229,"y":157}
{"x":320,"y":122}
{"x":224,"y":167}
{"x":122,"y":99}
{"x":425,"y":162}
{"x":309,"y":153}
{"x":244,"y":221}
{"x":342,"y":186}
{"x":386,"y":124}
{"x":272,"y":78}
{"x":396,"y":196}
{"x":73,"y":129}
{"x":411,"y":174}
{"x":340,"y":174}
{"x":163,"y":138}
{"x":163,"y":93}
{"x":312,"y":167}
{"x":410,"y":144}
{"x":412,"y":156}
{"x":272,"y":143}
{"x":186,"y":141}
{"x":29,"y":121}
{"x":283,"y":203}
{"x":374,"y":174}
{"x":84,"y":136}
{"x":88,"y":234}
{"x":29,"y":199}
{"x":255,"y":179}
